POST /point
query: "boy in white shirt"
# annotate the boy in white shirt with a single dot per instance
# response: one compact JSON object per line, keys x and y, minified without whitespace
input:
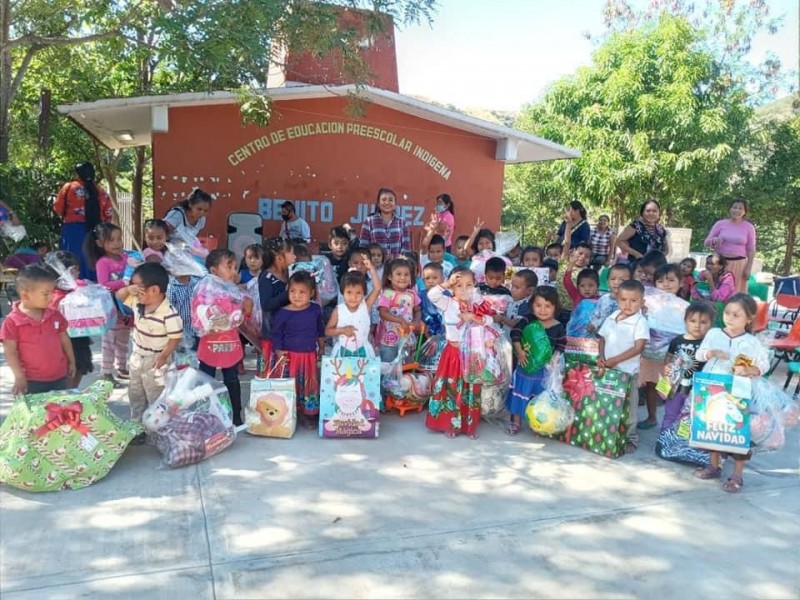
{"x":623,"y":336}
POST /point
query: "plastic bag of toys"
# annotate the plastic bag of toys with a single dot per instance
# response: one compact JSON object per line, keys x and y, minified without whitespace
{"x":504,"y":241}
{"x":430,"y":352}
{"x":322,"y":271}
{"x":551,"y":413}
{"x":217,"y":305}
{"x":478,"y":264}
{"x":179,"y":262}
{"x":135,"y":258}
{"x":772,"y":411}
{"x":16,"y":233}
{"x":472,"y":347}
{"x":499,"y":357}
{"x":192,"y":419}
{"x":665,"y":317}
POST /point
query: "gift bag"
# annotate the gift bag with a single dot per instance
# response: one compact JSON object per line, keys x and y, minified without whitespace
{"x":601,"y":409}
{"x":349,"y":397}
{"x":472,"y":348}
{"x":720,"y":413}
{"x":62,"y":440}
{"x":272,"y":408}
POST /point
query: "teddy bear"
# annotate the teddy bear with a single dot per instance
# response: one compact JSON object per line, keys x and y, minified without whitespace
{"x":272,"y":411}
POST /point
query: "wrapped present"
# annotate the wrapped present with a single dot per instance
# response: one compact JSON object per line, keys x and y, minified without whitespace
{"x":179,"y":262}
{"x":349,"y":397}
{"x":585,"y":350}
{"x":550,"y":412}
{"x":217,"y":305}
{"x":498,"y":302}
{"x":720,"y":413}
{"x":601,"y":409}
{"x":322,"y":271}
{"x":472,"y":347}
{"x":90,"y":311}
{"x":135,"y":258}
{"x":192,"y":419}
{"x":272,"y":408}
{"x":665,"y":317}
{"x":499,"y":358}
{"x":478,"y":264}
{"x":581,"y":318}
{"x":536,"y":346}
{"x":62,"y":440}
{"x":431,"y":351}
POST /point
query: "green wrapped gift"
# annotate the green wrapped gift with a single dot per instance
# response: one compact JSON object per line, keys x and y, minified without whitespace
{"x":536,"y":346}
{"x":62,"y":440}
{"x":601,"y":410}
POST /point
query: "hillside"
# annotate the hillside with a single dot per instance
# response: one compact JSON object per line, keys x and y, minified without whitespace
{"x":501,"y":117}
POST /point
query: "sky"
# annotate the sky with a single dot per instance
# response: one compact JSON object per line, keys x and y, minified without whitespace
{"x":504,"y":56}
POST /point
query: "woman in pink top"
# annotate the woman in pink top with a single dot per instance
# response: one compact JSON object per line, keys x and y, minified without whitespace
{"x":447,"y":221}
{"x":735,"y":240}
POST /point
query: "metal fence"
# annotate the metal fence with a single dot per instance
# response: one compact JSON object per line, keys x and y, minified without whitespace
{"x":125,"y":207}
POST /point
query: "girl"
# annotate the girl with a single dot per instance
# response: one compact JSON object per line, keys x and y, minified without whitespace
{"x":446,"y":211}
{"x":104,"y":253}
{"x":350,"y":320}
{"x":688,"y":265}
{"x":668,"y":280}
{"x":252,"y":264}
{"x":298,"y":335}
{"x":721,"y":283}
{"x":455,"y":405}
{"x":545,"y":307}
{"x":272,"y":293}
{"x":156,"y":232}
{"x":398,"y":306}
{"x":719,"y":350}
{"x":532,"y":257}
{"x":603,"y":240}
{"x":191,"y":213}
{"x":483,"y":239}
{"x":223,"y":349}
{"x":377,"y":257}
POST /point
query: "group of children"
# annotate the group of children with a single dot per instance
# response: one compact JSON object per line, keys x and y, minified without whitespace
{"x":381,"y":300}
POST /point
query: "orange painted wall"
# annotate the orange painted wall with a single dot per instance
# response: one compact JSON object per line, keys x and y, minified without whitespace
{"x":329,"y":174}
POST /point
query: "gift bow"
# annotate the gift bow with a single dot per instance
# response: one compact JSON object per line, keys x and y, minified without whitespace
{"x":578,"y":383}
{"x":58,"y":415}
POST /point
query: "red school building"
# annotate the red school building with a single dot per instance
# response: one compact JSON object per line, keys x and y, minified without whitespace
{"x":315,"y":152}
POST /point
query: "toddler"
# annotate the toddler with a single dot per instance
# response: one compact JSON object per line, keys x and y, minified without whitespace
{"x":432,"y":275}
{"x":495,"y":277}
{"x":607,"y":303}
{"x":350,"y":320}
{"x":523,"y":285}
{"x":252,"y":264}
{"x":532,"y":257}
{"x":377,"y":258}
{"x":461,"y":250}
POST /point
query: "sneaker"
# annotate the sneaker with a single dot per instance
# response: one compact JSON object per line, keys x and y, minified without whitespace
{"x":139,"y":439}
{"x":109,"y":377}
{"x":123,"y":374}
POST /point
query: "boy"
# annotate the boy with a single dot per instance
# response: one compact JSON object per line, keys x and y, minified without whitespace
{"x":553,"y":251}
{"x":646,"y":267}
{"x":460,"y":248}
{"x":577,"y":257}
{"x":495,"y":277}
{"x":552,"y":267}
{"x":157,"y":331}
{"x":623,"y":336}
{"x":607,"y":303}
{"x":523,"y":284}
{"x":432,"y":275}
{"x":35,"y":341}
{"x":339,"y":243}
{"x":432,"y":251}
{"x":179,"y":295}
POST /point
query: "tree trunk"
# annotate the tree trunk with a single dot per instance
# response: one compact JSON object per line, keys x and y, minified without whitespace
{"x":5,"y":78}
{"x":791,"y":239}
{"x":44,"y":121}
{"x":139,"y":165}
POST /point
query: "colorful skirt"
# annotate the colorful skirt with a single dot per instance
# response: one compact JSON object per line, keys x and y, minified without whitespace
{"x":72,"y":238}
{"x":303,"y":367}
{"x":455,"y":404}
{"x":267,"y":362}
{"x":649,"y":370}
{"x":524,"y":386}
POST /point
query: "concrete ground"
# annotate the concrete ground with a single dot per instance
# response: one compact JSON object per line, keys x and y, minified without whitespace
{"x":411,"y":514}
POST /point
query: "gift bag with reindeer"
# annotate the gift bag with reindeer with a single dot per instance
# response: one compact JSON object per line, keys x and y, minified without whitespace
{"x":720,"y":413}
{"x":350,"y":397}
{"x":272,"y":409}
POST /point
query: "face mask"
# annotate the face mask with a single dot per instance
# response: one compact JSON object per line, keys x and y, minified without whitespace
{"x":285,"y":217}
{"x":441,"y":208}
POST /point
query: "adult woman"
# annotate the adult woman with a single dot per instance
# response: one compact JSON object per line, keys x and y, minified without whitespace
{"x":447,"y":221}
{"x":644,"y":233}
{"x":575,"y":218}
{"x":191,"y":213}
{"x":735,"y":240}
{"x":385,"y":228}
{"x":82,"y":205}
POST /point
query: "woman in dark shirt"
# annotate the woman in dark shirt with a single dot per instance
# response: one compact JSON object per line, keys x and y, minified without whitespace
{"x":575,"y":218}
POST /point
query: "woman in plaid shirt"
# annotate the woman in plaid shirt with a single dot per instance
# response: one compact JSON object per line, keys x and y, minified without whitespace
{"x":385,"y":228}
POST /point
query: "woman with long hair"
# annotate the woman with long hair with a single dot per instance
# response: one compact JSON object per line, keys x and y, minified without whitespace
{"x":385,"y":228}
{"x":645,"y":233}
{"x":734,"y":239}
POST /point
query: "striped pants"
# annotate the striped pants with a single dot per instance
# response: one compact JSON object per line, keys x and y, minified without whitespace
{"x":115,"y":346}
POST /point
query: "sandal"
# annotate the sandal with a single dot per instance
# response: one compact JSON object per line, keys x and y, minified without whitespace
{"x":474,"y":435}
{"x":646,"y":424}
{"x":630,"y":447}
{"x":733,"y":485}
{"x":512,"y":428}
{"x":709,"y":472}
{"x":450,"y":434}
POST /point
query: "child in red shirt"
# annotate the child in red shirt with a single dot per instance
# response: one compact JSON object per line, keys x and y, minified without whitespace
{"x":33,"y":332}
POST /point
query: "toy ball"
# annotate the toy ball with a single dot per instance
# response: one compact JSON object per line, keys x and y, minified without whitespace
{"x":416,"y":386}
{"x":549,"y":413}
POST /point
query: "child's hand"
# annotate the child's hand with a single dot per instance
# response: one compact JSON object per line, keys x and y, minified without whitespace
{"x":72,"y":370}
{"x":720,"y":354}
{"x":20,"y":386}
{"x":368,"y":265}
{"x":247,"y":307}
{"x":452,"y":280}
{"x":468,"y":316}
{"x":348,"y":330}
{"x":135,"y":290}
{"x":161,"y":360}
{"x":478,"y":226}
{"x":522,"y":358}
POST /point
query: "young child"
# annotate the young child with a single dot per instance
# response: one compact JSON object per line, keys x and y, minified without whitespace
{"x":668,"y":278}
{"x":588,"y":282}
{"x":645,"y":268}
{"x":455,"y":404}
{"x":179,"y":294}
{"x":602,"y":242}
{"x":461,"y":251}
{"x":495,"y":277}
{"x":272,"y":290}
{"x":377,"y":258}
{"x":622,"y":338}
{"x":553,"y":251}
{"x":156,"y":232}
{"x":398,"y":306}
{"x":432,"y":275}
{"x":432,"y":251}
{"x":532,"y":257}
{"x":688,"y":266}
{"x":104,"y":253}
{"x":720,"y":281}
{"x":482,"y":239}
{"x":552,"y":271}
{"x":682,"y":363}
{"x":523,"y":285}
{"x":719,"y":350}
{"x":350,"y":321}
{"x":35,"y":340}
{"x":157,"y":331}
{"x":545,"y":307}
{"x":339,"y":243}
{"x":252,"y":264}
{"x":298,"y":335}
{"x":81,"y":346}
{"x":223,"y":349}
{"x":607,"y":303}
{"x":576,"y":259}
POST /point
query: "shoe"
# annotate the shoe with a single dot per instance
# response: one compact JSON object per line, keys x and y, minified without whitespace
{"x":123,"y":374}
{"x":139,"y":439}
{"x":109,"y":377}
{"x":646,"y":424}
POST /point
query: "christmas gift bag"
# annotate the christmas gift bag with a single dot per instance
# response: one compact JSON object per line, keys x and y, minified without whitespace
{"x":62,"y":440}
{"x":350,"y":397}
{"x":272,"y":409}
{"x":720,"y":413}
{"x":601,"y":409}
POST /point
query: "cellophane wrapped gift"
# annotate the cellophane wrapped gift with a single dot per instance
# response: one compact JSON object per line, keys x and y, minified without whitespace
{"x":499,"y":357}
{"x":472,"y":347}
{"x":180,"y":262}
{"x":580,"y":319}
{"x":192,"y":420}
{"x":62,"y":440}
{"x":772,"y":411}
{"x":217,"y":305}
{"x":322,"y":271}
{"x":665,"y":317}
{"x":135,"y":258}
{"x":550,"y":413}
{"x":16,"y":233}
{"x":430,"y":353}
{"x":89,"y":310}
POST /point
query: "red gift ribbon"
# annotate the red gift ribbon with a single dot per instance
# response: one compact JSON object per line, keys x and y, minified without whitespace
{"x":58,"y":415}
{"x":578,"y":383}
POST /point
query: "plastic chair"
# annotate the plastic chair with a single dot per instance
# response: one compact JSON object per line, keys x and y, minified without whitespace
{"x":785,"y":308}
{"x":794,"y":369}
{"x":603,"y":287}
{"x":761,"y":321}
{"x":786,"y":348}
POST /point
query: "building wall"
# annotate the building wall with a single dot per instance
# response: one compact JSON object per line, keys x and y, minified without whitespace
{"x":330,"y":164}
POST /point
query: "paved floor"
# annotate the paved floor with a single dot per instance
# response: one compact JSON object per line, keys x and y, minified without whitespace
{"x":409,"y":515}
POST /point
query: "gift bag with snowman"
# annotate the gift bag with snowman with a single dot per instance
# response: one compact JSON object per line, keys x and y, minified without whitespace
{"x":350,"y":397}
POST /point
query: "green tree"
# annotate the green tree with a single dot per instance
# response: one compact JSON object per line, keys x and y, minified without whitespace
{"x":653,"y":117}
